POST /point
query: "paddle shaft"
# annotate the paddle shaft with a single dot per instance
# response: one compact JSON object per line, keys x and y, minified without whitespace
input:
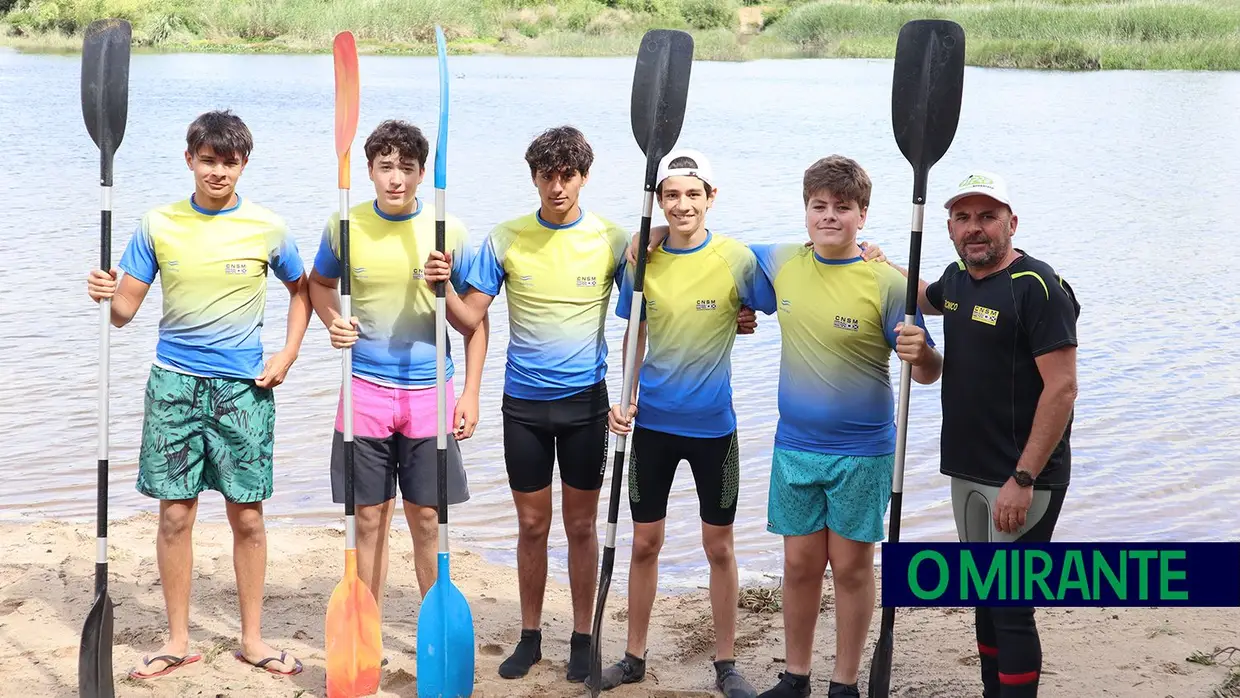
{"x":906,"y":369}
{"x":441,"y":390}
{"x":346,"y":377}
{"x":105,"y":326}
{"x":617,"y":468}
{"x":630,"y":362}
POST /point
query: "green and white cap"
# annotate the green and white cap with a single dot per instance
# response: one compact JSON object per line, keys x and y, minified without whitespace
{"x":702,"y":171}
{"x":983,"y":183}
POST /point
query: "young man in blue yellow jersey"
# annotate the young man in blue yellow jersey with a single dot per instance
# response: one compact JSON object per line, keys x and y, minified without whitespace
{"x":209,"y":414}
{"x":840,"y":318}
{"x":696,"y":282}
{"x":559,"y":264}
{"x":392,"y":333}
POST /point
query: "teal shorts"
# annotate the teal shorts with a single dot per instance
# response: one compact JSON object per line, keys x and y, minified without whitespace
{"x":813,"y":491}
{"x":206,"y":434}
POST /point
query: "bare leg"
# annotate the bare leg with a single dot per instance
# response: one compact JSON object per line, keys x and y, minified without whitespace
{"x":724,"y":587}
{"x":174,"y":550}
{"x":424,"y":527}
{"x":250,"y":565}
{"x":643,"y":582}
{"x":373,"y":523}
{"x":580,"y":509}
{"x":852,"y":573}
{"x":805,"y":563}
{"x":534,"y":524}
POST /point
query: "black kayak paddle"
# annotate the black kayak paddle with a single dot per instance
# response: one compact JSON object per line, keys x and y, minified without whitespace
{"x":105,"y":103}
{"x":926,"y":91}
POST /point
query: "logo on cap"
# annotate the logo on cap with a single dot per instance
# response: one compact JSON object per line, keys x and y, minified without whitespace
{"x":977,"y":181}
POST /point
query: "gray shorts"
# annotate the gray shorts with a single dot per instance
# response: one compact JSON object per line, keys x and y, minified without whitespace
{"x":379,"y":465}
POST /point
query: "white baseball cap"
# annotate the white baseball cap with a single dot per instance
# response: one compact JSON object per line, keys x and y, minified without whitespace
{"x":983,"y":183}
{"x":702,"y":171}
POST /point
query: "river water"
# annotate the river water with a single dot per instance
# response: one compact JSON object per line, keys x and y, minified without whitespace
{"x":1125,"y":182}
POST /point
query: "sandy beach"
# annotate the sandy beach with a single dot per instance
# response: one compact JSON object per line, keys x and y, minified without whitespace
{"x":46,"y":578}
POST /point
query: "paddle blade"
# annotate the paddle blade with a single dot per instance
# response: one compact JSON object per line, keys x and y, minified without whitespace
{"x":595,"y":679}
{"x":354,"y":637}
{"x":95,"y":652}
{"x":105,"y":86}
{"x":344,"y":53}
{"x":441,"y":143}
{"x":445,"y":640}
{"x":660,"y":91}
{"x":926,"y":91}
{"x":879,"y":685}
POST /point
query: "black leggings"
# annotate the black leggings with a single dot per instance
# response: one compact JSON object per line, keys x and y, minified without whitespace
{"x":1007,"y":636}
{"x":715,"y":463}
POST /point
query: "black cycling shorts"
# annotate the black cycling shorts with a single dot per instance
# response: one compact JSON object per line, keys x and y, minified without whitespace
{"x":573,"y":428}
{"x":715,"y":463}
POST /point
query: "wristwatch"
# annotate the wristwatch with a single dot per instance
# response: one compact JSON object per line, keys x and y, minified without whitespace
{"x":1023,"y":478}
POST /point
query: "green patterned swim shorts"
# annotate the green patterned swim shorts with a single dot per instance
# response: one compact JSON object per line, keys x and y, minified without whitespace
{"x":206,"y":434}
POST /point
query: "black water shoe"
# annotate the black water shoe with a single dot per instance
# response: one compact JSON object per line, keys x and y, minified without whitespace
{"x":527,"y":654}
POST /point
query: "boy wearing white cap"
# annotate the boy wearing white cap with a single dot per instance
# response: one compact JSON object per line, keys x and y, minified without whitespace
{"x":695,"y":283}
{"x":1009,"y":386}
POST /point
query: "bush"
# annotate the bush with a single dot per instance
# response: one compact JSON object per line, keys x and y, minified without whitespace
{"x":577,"y":16}
{"x":709,"y":14}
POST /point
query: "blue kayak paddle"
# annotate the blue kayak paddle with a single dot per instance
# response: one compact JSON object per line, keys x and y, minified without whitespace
{"x":445,"y":622}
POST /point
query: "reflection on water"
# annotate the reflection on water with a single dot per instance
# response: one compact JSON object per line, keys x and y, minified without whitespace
{"x":1123,"y":181}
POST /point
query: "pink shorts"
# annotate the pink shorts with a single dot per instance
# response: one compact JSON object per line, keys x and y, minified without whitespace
{"x":380,"y":412}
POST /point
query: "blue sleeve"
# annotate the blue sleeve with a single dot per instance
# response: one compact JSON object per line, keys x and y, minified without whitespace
{"x":754,"y":289}
{"x":622,"y":266}
{"x":326,"y":261}
{"x":139,"y":260}
{"x":463,"y":259}
{"x":486,"y":271}
{"x":893,"y":314}
{"x":285,"y":259}
{"x":624,"y":302}
{"x":762,"y":293}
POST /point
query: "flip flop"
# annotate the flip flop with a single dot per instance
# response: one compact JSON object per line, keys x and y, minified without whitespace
{"x":174,"y":663}
{"x":262,"y":664}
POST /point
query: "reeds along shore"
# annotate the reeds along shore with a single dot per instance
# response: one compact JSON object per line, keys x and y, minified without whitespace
{"x":1046,"y":34}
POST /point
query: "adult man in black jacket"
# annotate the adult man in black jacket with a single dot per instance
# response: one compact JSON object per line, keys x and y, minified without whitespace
{"x":1009,"y":386}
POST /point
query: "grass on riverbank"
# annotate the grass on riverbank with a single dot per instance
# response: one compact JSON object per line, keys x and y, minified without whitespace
{"x":1055,"y":34}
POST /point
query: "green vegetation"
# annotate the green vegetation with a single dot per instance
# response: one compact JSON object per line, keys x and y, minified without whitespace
{"x":1053,"y":34}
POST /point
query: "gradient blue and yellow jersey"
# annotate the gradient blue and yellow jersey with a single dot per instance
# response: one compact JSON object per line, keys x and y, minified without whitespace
{"x":214,"y":267}
{"x":837,"y":319}
{"x":394,"y":306}
{"x":559,"y":281}
{"x":691,"y":300}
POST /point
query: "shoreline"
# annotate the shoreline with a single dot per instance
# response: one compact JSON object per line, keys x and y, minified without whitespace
{"x":46,"y":581}
{"x":1194,"y":35}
